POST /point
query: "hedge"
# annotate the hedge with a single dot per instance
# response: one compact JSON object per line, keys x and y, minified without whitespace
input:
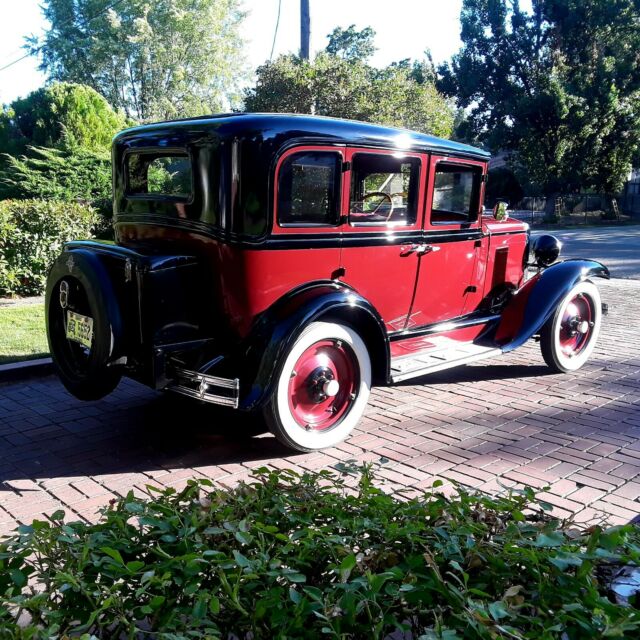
{"x":32,"y":233}
{"x":290,"y":556}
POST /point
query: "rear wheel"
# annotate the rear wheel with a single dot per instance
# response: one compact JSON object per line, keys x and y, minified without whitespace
{"x":569,"y":336}
{"x":322,"y":388}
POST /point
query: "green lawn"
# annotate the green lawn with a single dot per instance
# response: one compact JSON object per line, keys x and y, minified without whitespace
{"x":22,"y":333}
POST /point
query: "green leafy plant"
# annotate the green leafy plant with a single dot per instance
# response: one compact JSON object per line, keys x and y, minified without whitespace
{"x":317,"y":555}
{"x":32,"y":233}
{"x":51,"y":174}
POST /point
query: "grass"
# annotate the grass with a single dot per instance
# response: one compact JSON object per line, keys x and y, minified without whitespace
{"x":22,"y":333}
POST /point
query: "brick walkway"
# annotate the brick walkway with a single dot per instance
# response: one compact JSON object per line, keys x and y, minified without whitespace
{"x":502,"y":422}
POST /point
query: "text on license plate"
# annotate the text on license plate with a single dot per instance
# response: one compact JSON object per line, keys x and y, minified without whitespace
{"x":79,"y":328}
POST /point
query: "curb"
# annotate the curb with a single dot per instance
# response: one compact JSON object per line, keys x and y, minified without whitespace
{"x":15,"y":371}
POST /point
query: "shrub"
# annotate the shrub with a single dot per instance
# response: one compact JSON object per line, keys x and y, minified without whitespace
{"x":62,"y":115}
{"x":51,"y":174}
{"x":32,"y":233}
{"x":292,"y":556}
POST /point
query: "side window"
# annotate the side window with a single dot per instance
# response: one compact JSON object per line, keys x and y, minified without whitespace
{"x":384,"y":189}
{"x":456,"y":190}
{"x":309,"y":188}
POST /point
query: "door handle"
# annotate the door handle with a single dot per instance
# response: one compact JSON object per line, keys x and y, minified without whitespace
{"x":419,"y":249}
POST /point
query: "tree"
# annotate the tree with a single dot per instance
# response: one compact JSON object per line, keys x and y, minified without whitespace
{"x":159,"y":60}
{"x":340,"y":83}
{"x":55,"y":145}
{"x":350,"y":44}
{"x":559,"y":86}
{"x":62,"y":115}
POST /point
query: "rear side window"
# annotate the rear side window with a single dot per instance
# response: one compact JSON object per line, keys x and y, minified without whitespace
{"x":158,"y":175}
{"x":309,"y":188}
{"x":384,"y":189}
{"x":456,"y":191}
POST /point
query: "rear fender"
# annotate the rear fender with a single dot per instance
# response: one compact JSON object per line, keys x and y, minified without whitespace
{"x":262,"y":353}
{"x":535,"y":302}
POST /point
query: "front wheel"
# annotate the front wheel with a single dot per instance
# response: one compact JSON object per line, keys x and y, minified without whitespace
{"x":322,"y":388}
{"x":569,"y":336}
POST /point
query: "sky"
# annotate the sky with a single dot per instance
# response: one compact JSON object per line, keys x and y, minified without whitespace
{"x":404,"y":28}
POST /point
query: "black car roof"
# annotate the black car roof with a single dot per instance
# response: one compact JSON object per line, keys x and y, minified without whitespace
{"x":283,"y":127}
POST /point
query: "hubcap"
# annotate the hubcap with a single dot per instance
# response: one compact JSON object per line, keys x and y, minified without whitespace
{"x":324,"y":385}
{"x":576,"y":325}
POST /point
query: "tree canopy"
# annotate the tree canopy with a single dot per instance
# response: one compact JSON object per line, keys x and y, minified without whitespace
{"x":559,"y":86}
{"x":340,"y":83}
{"x":62,"y":115}
{"x":160,"y":60}
{"x":352,"y":44}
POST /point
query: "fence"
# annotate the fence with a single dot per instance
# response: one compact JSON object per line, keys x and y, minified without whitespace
{"x":571,"y":209}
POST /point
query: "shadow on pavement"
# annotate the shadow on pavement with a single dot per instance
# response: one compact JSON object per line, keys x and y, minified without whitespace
{"x":123,"y":436}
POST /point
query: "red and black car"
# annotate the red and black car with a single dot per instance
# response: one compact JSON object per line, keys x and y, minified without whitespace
{"x":285,"y":264}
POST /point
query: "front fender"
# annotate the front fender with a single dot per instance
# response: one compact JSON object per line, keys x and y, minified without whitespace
{"x":273,"y":334}
{"x":534,"y":303}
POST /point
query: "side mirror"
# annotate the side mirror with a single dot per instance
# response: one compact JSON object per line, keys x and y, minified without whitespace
{"x":500,"y":212}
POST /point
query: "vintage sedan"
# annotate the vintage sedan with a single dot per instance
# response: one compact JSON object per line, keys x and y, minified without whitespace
{"x":285,"y":264}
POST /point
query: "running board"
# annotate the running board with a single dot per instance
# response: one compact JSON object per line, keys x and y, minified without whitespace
{"x":453,"y":355}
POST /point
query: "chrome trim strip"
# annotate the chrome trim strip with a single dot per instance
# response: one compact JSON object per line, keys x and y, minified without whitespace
{"x":440,"y":327}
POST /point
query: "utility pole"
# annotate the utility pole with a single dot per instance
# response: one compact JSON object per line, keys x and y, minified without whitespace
{"x":305,"y":29}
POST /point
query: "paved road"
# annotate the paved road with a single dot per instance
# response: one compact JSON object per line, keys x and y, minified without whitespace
{"x":501,"y":422}
{"x":618,"y":247}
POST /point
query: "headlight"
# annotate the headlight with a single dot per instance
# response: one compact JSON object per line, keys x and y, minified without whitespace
{"x":545,"y":249}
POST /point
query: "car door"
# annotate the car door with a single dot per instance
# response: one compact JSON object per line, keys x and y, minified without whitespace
{"x":450,"y":273}
{"x":383,"y":198}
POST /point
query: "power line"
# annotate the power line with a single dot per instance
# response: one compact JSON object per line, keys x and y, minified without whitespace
{"x":275,"y":33}
{"x":37,"y":50}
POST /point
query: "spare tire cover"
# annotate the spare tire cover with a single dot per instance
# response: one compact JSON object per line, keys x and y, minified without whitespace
{"x":87,"y":276}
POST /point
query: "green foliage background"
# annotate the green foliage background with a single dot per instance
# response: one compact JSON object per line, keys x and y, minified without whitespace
{"x":153,"y":60}
{"x":340,"y":83}
{"x":559,"y":86}
{"x":32,"y":233}
{"x":61,"y":115}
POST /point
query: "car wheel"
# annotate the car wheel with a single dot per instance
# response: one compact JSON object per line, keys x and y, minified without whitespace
{"x":322,"y":388}
{"x":569,"y":336}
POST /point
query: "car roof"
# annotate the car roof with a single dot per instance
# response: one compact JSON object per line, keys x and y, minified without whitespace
{"x":284,"y":127}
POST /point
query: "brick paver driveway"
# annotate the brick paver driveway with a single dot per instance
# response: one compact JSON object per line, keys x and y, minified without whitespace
{"x":502,"y":422}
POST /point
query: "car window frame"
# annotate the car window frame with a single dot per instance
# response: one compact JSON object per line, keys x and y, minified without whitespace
{"x":158,"y":153}
{"x":472,"y":221}
{"x":306,"y":227}
{"x":353,"y":153}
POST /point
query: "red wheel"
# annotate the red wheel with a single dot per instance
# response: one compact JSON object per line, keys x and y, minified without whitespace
{"x":569,"y":336}
{"x":322,"y":389}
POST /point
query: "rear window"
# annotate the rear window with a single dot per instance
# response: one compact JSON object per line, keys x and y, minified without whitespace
{"x":159,"y":175}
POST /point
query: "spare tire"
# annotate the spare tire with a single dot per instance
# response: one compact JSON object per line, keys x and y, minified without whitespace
{"x":78,"y":282}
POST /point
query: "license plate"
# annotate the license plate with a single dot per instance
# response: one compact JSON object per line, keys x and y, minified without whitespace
{"x":79,"y":329}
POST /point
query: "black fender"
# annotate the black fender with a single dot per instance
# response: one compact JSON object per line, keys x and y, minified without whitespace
{"x":274,"y":332}
{"x":534,"y":303}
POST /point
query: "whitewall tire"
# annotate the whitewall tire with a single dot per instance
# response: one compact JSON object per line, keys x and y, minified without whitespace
{"x":569,"y":336}
{"x":322,"y":388}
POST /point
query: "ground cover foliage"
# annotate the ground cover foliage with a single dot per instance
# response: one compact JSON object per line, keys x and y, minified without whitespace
{"x":290,"y":556}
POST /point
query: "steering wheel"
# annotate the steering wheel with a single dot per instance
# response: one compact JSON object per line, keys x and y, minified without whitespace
{"x":379,"y":194}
